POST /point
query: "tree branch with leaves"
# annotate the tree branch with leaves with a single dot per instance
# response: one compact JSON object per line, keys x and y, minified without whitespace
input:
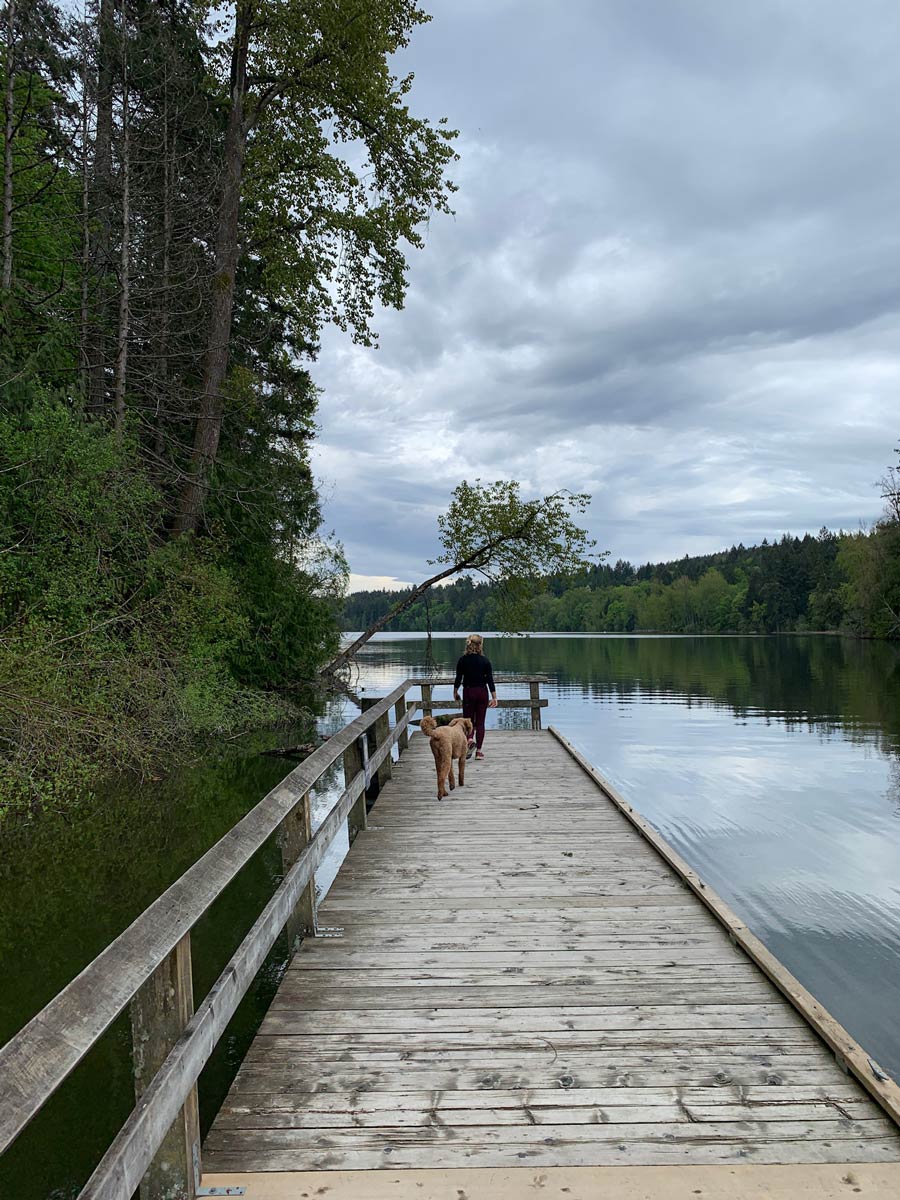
{"x":490,"y":530}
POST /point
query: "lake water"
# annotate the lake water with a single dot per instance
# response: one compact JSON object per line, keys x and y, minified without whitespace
{"x":771,"y":764}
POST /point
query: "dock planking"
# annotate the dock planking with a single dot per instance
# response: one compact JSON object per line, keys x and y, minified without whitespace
{"x":514,"y":977}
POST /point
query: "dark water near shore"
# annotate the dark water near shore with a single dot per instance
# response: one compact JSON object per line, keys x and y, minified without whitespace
{"x":773,"y":765}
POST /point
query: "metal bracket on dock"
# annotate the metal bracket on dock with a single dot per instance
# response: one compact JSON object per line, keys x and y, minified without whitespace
{"x":332,"y":931}
{"x":210,"y":1191}
{"x":363,"y":743}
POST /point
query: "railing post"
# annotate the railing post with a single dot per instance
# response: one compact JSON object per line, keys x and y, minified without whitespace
{"x":160,"y":1010}
{"x":376,"y":735}
{"x":354,"y":762}
{"x":426,"y":700}
{"x":399,"y":714}
{"x":294,"y":836}
{"x":535,"y":690}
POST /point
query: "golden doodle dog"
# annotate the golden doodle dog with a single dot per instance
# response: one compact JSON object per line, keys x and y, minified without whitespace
{"x":448,"y":742}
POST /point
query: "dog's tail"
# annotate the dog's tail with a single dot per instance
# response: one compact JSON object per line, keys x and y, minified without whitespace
{"x":428,"y":726}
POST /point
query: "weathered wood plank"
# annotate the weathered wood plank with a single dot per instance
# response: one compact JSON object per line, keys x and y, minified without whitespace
{"x":875,"y":1080}
{"x":459,"y":1002}
{"x":530,"y":974}
{"x":531,"y":1134}
{"x":612,"y":1051}
{"x":560,"y":1114}
{"x":549,"y":936}
{"x":478,"y":1026}
{"x":730,"y":1181}
{"x":726,"y":1095}
{"x":243,"y":1155}
{"x":475,"y":908}
{"x":362,"y":956}
{"x":415,"y":1000}
{"x":684,"y":1071}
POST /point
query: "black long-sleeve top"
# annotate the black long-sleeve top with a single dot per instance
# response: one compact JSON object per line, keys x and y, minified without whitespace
{"x":474,"y":670}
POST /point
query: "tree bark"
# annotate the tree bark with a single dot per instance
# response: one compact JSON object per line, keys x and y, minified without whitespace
{"x":8,"y":135}
{"x":401,"y":606}
{"x":84,"y":339}
{"x":165,"y":270}
{"x":102,"y":205}
{"x":209,"y":417}
{"x":121,"y":362}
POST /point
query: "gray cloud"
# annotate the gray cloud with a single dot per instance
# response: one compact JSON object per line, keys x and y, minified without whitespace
{"x":673,"y":278}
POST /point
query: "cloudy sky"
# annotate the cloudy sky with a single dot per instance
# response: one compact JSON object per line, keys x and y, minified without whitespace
{"x":672,"y":280}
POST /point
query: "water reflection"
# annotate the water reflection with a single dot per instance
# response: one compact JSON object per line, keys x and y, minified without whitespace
{"x":773,"y":765}
{"x":770,"y":764}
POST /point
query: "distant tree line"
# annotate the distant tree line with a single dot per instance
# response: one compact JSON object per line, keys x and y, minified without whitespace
{"x":189,"y":193}
{"x":833,"y":581}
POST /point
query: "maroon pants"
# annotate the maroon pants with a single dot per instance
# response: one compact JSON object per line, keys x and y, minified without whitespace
{"x":475,"y":705}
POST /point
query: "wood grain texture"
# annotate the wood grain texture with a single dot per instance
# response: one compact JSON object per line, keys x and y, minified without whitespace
{"x":849,"y":1053}
{"x":35,"y":1062}
{"x":160,"y":1010}
{"x":843,"y":1180}
{"x":519,"y":976}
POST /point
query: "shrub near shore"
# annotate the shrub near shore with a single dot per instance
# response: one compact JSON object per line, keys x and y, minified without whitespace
{"x":119,"y":647}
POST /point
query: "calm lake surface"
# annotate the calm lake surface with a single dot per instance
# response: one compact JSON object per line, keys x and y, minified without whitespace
{"x":771,"y":764}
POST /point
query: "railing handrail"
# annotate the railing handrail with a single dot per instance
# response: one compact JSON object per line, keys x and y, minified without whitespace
{"x":36,"y":1061}
{"x":122,"y":1167}
{"x":444,"y":680}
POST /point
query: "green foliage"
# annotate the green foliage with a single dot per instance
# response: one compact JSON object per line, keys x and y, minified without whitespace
{"x":340,"y":175}
{"x":833,"y":581}
{"x":117,"y":646}
{"x":37,"y":333}
{"x":871,"y":594}
{"x":490,"y":529}
{"x":516,"y":543}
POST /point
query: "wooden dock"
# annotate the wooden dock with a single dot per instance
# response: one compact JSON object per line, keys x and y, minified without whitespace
{"x":519,"y":991}
{"x":515,"y":979}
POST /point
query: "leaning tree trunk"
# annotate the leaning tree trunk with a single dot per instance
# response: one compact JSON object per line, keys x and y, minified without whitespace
{"x":477,"y":559}
{"x":209,"y":417}
{"x":353,"y":649}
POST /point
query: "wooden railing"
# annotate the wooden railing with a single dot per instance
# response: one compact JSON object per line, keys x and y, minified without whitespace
{"x":534,"y":702}
{"x":149,"y":965}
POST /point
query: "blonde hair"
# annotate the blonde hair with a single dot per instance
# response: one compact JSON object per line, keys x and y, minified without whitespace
{"x":474,"y":642}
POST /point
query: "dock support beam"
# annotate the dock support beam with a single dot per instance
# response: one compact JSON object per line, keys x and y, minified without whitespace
{"x":294,"y":836}
{"x":376,"y":735}
{"x":355,"y":758}
{"x":399,"y":714}
{"x":160,"y":1010}
{"x":535,"y":693}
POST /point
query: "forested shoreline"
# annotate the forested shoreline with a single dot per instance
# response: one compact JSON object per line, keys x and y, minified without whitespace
{"x":829,"y":582}
{"x":189,"y":194}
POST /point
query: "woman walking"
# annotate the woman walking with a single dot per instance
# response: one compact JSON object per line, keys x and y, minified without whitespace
{"x":478,"y":692}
